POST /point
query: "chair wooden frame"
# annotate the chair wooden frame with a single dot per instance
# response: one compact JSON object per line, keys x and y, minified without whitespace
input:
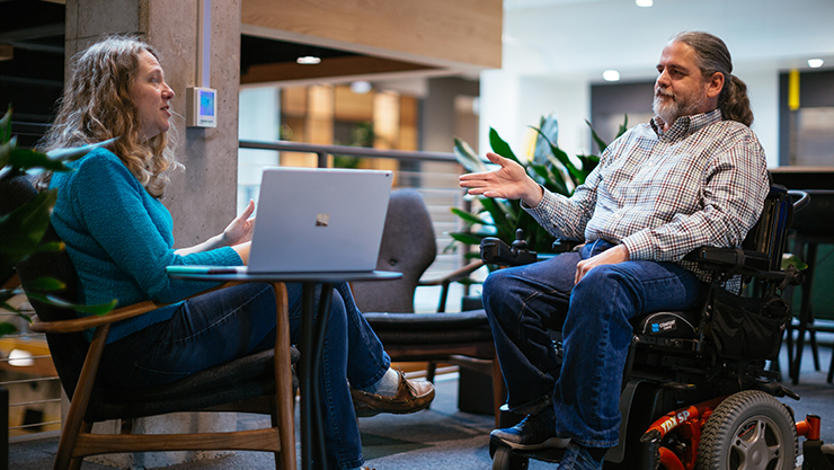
{"x":77,"y":440}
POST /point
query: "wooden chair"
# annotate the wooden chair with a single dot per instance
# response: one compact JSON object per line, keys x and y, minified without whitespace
{"x":258,"y":383}
{"x":463,"y":338}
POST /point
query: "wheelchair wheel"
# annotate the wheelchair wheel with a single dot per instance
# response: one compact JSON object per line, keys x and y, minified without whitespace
{"x":749,"y":430}
{"x":505,"y":459}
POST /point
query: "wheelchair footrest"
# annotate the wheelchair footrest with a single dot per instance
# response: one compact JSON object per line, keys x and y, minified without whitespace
{"x":548,"y":454}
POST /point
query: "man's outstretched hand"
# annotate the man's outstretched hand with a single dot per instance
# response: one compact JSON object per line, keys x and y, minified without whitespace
{"x":509,"y":182}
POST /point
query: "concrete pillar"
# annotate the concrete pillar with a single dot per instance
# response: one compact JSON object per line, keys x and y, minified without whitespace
{"x":202,"y":198}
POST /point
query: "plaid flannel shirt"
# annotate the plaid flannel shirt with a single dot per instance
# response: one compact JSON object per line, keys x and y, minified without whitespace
{"x":662,"y":194}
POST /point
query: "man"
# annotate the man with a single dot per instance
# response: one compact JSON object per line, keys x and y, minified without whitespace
{"x":693,"y":176}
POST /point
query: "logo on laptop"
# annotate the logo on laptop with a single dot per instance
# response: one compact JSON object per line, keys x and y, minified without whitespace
{"x":322,"y":220}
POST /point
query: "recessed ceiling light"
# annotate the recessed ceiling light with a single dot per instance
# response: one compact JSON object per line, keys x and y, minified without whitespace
{"x":360,"y":86}
{"x":611,"y":76}
{"x":308,"y":60}
{"x":815,"y":63}
{"x":644,"y":3}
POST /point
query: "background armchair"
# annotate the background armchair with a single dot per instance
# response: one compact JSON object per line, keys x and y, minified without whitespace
{"x":463,"y":338}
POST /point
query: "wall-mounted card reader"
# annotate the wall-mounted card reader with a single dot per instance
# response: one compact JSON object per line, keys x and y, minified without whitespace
{"x":201,"y":107}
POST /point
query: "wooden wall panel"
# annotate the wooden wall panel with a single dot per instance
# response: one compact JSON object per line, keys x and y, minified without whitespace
{"x":408,"y":123}
{"x":350,"y":106}
{"x":456,"y":34}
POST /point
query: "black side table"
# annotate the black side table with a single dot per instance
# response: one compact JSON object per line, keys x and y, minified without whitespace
{"x":311,"y":341}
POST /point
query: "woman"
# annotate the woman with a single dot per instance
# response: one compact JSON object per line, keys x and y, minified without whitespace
{"x":119,"y":238}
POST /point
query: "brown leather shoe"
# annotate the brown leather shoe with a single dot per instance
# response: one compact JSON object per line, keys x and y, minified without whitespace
{"x":412,"y":396}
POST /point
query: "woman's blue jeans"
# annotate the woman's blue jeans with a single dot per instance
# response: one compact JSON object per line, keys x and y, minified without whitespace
{"x":226,"y":324}
{"x":523,"y":303}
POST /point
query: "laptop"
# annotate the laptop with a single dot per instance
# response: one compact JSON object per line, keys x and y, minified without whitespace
{"x":314,"y":220}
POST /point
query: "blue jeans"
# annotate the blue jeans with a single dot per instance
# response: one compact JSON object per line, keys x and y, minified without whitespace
{"x":226,"y":324}
{"x":523,"y":303}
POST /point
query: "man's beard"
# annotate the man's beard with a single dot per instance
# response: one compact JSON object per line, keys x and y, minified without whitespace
{"x":673,"y":106}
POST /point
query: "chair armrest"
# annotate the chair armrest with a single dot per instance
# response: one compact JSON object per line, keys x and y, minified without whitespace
{"x":129,"y":311}
{"x":11,"y":282}
{"x":715,"y":258}
{"x":563,"y":245}
{"x":454,"y":276}
{"x":495,"y":251}
{"x":81,"y":324}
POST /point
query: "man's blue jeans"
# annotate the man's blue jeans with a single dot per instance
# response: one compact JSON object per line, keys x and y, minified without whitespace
{"x":222,"y":325}
{"x":524,"y":302}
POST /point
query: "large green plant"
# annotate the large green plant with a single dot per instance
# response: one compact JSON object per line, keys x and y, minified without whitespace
{"x":22,"y":230}
{"x":501,"y":217}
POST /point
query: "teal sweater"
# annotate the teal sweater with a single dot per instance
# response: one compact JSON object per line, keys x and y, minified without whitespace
{"x":120,"y":238}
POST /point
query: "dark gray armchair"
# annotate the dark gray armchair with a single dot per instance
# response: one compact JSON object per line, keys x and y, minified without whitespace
{"x":408,"y":246}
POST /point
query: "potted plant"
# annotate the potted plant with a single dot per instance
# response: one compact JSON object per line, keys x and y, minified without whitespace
{"x":21,"y":232}
{"x":550,"y":166}
{"x":23,"y":228}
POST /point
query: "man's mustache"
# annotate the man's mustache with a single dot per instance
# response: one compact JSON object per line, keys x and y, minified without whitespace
{"x":661,"y":92}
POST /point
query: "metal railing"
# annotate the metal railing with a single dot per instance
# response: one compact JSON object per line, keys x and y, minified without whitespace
{"x":322,"y":151}
{"x":26,"y":371}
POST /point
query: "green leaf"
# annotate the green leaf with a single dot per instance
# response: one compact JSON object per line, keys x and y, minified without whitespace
{"x":469,"y":218}
{"x":22,"y":229}
{"x":500,"y":146}
{"x":623,"y":126}
{"x":7,"y":328}
{"x":467,"y":238}
{"x":600,"y":143}
{"x":51,"y":247}
{"x":542,"y":172}
{"x":74,"y":153}
{"x":46,"y":284}
{"x":790,"y":259}
{"x":6,"y":149}
{"x":556,"y":183}
{"x":467,"y":157}
{"x":99,"y":309}
{"x":589,"y":162}
{"x":25,"y":159}
{"x":6,"y":126}
{"x":452,"y":247}
{"x":503,"y":227}
{"x":576,"y":174}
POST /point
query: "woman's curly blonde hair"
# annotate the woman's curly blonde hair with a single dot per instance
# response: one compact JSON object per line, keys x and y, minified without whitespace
{"x":96,"y":106}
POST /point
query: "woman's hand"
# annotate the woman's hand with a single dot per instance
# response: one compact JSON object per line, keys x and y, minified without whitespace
{"x":240,"y":229}
{"x":510,"y":182}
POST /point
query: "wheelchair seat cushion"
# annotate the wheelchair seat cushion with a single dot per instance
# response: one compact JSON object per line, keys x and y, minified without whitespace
{"x":680,"y":325}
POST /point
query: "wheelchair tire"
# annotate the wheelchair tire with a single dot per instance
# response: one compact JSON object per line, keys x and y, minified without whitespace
{"x":505,"y":459}
{"x":750,"y":430}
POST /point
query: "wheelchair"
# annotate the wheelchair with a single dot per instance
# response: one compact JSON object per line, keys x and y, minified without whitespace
{"x":697,"y":392}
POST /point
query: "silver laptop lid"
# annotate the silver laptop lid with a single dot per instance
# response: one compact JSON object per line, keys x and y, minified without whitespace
{"x":311,"y":220}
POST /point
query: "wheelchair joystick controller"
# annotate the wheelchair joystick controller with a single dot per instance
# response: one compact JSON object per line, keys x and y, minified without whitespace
{"x":519,"y":243}
{"x":495,"y":251}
